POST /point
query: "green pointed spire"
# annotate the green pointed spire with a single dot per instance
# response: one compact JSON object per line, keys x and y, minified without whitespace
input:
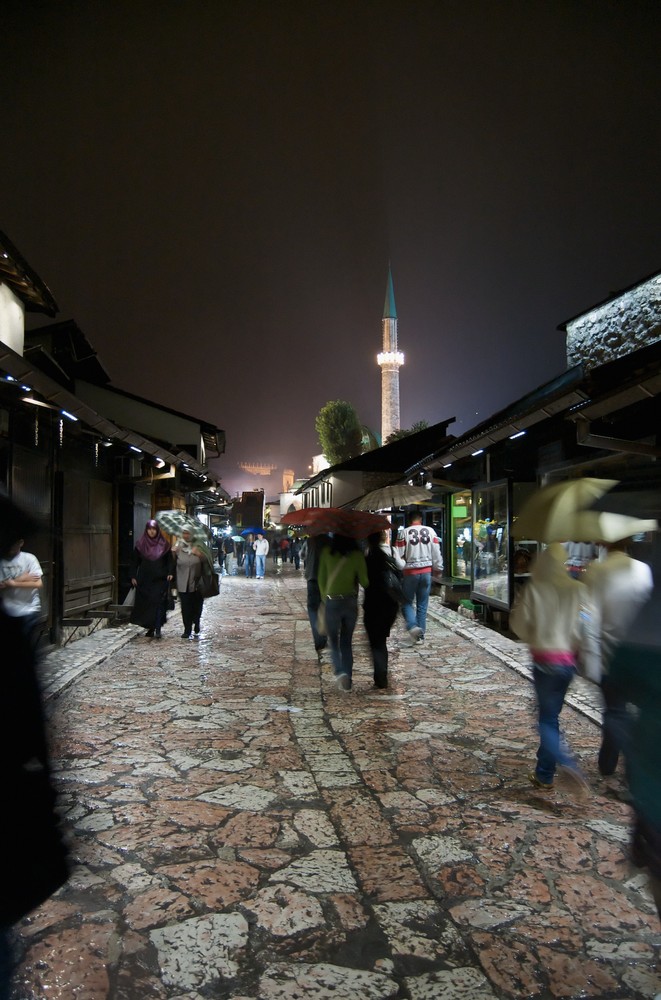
{"x":389,"y":310}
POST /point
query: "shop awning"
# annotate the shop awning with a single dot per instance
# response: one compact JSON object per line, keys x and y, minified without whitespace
{"x":61,"y":398}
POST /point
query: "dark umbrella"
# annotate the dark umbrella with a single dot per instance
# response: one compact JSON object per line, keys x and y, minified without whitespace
{"x":338,"y":521}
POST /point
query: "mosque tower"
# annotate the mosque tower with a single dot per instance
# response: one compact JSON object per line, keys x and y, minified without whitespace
{"x":390,"y":361}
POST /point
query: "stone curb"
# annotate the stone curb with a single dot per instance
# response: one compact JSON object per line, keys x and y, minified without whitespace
{"x":59,"y":668}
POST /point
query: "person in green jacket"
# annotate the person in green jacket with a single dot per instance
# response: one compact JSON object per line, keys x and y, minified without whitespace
{"x":342,"y":568}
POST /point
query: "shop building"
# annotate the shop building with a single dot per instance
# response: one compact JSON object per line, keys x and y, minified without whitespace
{"x":89,"y":463}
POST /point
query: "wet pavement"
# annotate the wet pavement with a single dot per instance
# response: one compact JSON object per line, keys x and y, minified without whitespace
{"x":242,"y":829}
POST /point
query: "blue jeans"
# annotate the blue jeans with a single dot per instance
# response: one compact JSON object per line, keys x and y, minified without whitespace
{"x":417,"y":588}
{"x":249,"y":562}
{"x":551,"y":689}
{"x":260,"y":565}
{"x":341,"y":617}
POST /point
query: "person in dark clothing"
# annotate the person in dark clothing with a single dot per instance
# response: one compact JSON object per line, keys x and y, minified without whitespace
{"x":315,"y":545}
{"x":379,"y":608}
{"x":31,"y":843}
{"x":151,"y":574}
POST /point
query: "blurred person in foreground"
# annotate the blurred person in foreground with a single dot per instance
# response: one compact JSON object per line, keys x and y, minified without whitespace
{"x":152,"y":570}
{"x":618,"y":586}
{"x":341,"y":569}
{"x":380,"y":606}
{"x":550,"y":617}
{"x":20,"y":582}
{"x":635,"y":673}
{"x":31,"y":846}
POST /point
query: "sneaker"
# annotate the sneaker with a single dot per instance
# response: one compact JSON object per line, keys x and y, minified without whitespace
{"x":185,"y":635}
{"x":157,"y":633}
{"x":150,"y":633}
{"x":343,"y":682}
{"x":415,"y":634}
{"x":534,"y":780}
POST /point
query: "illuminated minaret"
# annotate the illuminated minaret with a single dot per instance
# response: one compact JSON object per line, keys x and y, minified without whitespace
{"x":390,"y":361}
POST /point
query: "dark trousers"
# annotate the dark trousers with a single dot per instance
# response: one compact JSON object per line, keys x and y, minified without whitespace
{"x":378,"y":621}
{"x":379,"y":651}
{"x":191,"y":609}
{"x":615,"y":726}
{"x":314,"y":600}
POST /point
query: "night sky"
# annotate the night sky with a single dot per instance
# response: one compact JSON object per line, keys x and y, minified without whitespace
{"x":213,"y":192}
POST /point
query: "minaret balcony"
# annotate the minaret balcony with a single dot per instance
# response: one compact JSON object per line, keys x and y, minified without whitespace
{"x":390,"y":358}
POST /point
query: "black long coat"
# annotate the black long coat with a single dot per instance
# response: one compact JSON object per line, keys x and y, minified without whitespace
{"x":379,"y":609}
{"x":152,"y":590}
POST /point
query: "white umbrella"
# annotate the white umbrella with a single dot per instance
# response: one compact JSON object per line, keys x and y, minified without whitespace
{"x":604,"y":526}
{"x":397,"y":495}
{"x":550,"y":514}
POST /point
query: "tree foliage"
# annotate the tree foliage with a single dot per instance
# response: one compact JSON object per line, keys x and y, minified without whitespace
{"x":421,"y":425}
{"x":339,"y":431}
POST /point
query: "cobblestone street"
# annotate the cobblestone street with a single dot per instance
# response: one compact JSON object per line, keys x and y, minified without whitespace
{"x":241,"y":829}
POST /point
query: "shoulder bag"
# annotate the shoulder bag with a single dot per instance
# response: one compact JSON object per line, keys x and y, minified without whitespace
{"x":208,"y":585}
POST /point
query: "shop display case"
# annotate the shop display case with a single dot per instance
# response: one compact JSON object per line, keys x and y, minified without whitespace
{"x":491,"y":577}
{"x":459,"y":558}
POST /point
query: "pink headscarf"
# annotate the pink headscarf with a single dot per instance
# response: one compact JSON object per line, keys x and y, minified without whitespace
{"x":152,"y":548}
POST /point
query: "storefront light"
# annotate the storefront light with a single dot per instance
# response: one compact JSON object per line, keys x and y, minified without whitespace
{"x":37,"y":402}
{"x":69,"y":416}
{"x":517,"y":435}
{"x":480,"y":451}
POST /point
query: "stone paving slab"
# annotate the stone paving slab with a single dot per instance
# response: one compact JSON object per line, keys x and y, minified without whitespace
{"x":241,"y":829}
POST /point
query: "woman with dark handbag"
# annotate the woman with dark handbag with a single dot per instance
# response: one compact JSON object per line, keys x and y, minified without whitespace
{"x":381,"y":604}
{"x":189,"y":558}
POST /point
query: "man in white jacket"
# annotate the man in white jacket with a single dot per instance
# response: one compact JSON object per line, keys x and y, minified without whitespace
{"x":261,"y":547}
{"x":420,"y":548}
{"x":618,"y":586}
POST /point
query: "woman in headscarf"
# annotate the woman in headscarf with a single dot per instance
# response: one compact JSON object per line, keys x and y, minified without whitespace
{"x":151,"y":573}
{"x":190,"y":552}
{"x":550,"y":617}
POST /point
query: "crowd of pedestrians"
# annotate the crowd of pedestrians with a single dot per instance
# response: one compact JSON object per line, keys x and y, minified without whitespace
{"x":604,"y":624}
